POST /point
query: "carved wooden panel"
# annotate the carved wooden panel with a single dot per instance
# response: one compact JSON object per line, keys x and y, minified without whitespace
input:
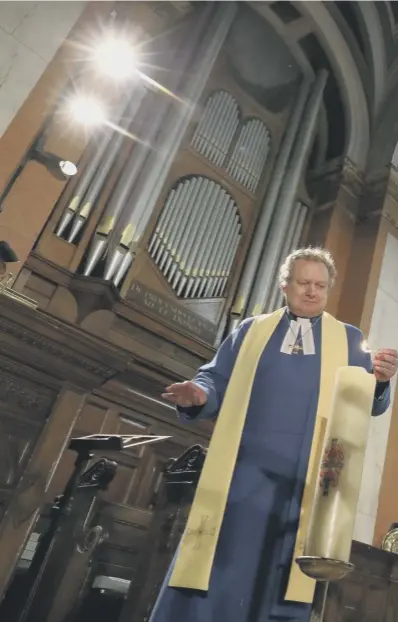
{"x":25,"y":408}
{"x":126,"y":529}
{"x":15,"y":449}
{"x":139,"y":468}
{"x":370,"y":593}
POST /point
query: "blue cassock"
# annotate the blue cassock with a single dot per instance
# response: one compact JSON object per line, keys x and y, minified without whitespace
{"x":255,"y":547}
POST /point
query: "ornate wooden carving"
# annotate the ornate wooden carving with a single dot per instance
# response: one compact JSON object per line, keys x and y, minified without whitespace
{"x":60,"y":563}
{"x":170,"y":513}
{"x":370,"y":593}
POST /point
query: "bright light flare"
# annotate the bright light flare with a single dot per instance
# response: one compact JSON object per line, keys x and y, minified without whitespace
{"x":365,"y":346}
{"x":86,"y":110}
{"x":115,"y":58}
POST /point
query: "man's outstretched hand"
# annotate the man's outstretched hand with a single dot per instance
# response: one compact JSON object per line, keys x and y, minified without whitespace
{"x":385,"y":363}
{"x":185,"y":394}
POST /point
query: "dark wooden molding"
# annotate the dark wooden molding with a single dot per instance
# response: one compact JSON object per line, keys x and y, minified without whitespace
{"x":62,"y":351}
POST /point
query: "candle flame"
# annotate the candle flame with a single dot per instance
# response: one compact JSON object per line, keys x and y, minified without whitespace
{"x":365,"y":346}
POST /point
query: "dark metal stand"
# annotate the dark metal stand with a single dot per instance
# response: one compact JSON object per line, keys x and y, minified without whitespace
{"x":46,"y":570}
{"x":318,"y":606}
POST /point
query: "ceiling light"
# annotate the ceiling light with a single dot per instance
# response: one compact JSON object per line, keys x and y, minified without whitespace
{"x":115,"y":58}
{"x":59,"y":168}
{"x":86,"y":110}
{"x":69,"y":169}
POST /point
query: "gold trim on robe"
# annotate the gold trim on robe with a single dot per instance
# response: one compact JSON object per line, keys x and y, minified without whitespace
{"x":198,"y":546}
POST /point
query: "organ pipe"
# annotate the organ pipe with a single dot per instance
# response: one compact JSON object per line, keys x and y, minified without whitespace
{"x":301,"y":213}
{"x":196,"y":238}
{"x":216,"y":128}
{"x":96,"y":168}
{"x":250,"y":154}
{"x":144,"y":199}
{"x":109,"y":158}
{"x":180,"y":60}
{"x":268,"y":206}
{"x":270,"y":257}
{"x":289,"y":235}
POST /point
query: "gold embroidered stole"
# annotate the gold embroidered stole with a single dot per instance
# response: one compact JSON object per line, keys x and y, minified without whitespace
{"x":198,"y":546}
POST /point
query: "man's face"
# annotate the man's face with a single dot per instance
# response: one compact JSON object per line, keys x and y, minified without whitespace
{"x":308,"y":288}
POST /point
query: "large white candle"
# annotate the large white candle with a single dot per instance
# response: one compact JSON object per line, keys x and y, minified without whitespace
{"x":336,"y":497}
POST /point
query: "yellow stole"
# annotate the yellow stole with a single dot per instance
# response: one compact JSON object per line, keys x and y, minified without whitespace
{"x":198,"y":546}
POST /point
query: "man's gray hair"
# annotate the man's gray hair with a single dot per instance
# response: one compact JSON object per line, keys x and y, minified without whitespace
{"x":308,"y":254}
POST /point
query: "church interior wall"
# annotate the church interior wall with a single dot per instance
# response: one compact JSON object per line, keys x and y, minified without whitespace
{"x":383,"y":331}
{"x":385,"y":323}
{"x":33,"y":186}
{"x":30,"y":35}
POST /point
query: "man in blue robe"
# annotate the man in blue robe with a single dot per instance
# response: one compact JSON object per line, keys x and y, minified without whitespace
{"x":255,"y":546}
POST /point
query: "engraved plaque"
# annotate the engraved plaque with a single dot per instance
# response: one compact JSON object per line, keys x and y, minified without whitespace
{"x":171,"y":313}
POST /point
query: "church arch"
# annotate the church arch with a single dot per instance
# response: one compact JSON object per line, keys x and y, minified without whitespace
{"x":375,"y":47}
{"x":347,"y":74}
{"x":196,"y":238}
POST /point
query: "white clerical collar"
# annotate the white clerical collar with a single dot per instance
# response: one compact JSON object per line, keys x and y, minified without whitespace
{"x":294,"y":316}
{"x":299,"y":336}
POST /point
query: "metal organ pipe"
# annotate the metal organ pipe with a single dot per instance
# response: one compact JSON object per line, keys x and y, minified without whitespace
{"x":286,"y":249}
{"x":160,"y":234}
{"x":195,"y":240}
{"x":204,"y":246}
{"x":216,"y":128}
{"x":111,"y":153}
{"x":250,"y":154}
{"x":91,"y":168}
{"x":268,"y":206}
{"x":269,"y":260}
{"x":227,"y":261}
{"x":196,"y":284}
{"x":125,"y":111}
{"x":184,"y":205}
{"x":180,"y":59}
{"x":302,"y":214}
{"x":187,"y":234}
{"x":195,"y":234}
{"x":228,"y":129}
{"x":144,"y":199}
{"x":208,"y":287}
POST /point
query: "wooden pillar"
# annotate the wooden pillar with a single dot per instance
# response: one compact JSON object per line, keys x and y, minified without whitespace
{"x":30,"y":492}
